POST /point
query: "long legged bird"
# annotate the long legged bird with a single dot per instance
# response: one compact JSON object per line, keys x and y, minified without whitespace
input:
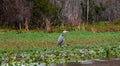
{"x":61,"y":38}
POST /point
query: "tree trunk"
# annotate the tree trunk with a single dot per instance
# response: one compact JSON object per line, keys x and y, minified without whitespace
{"x":20,"y":28}
{"x":87,"y":10}
{"x":48,"y":25}
{"x":26,"y":24}
{"x":83,"y":27}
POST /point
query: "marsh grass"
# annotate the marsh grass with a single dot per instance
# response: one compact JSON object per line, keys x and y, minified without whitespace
{"x":13,"y":40}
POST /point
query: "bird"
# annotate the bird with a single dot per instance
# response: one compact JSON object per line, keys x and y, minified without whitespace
{"x":61,"y":38}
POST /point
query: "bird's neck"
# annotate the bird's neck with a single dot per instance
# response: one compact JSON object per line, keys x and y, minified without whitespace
{"x":63,"y":34}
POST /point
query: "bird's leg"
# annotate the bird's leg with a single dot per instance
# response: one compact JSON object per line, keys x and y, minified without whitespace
{"x":60,"y":45}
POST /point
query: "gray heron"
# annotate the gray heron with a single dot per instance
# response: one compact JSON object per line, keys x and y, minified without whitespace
{"x":61,"y":38}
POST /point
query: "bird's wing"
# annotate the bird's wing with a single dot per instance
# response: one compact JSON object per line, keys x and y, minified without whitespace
{"x":60,"y":39}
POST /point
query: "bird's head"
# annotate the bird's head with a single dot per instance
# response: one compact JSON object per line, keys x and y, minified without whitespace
{"x":65,"y":31}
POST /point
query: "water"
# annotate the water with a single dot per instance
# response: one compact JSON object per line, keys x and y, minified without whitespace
{"x":96,"y":62}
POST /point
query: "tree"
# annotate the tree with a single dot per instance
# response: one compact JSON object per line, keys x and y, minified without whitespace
{"x":44,"y":12}
{"x":87,"y":10}
{"x":16,"y":13}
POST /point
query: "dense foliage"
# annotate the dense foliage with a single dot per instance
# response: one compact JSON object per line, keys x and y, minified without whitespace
{"x":43,"y":10}
{"x":64,"y":54}
{"x":45,"y":14}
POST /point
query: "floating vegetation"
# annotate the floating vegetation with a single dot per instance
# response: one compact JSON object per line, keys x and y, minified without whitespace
{"x":59,"y":55}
